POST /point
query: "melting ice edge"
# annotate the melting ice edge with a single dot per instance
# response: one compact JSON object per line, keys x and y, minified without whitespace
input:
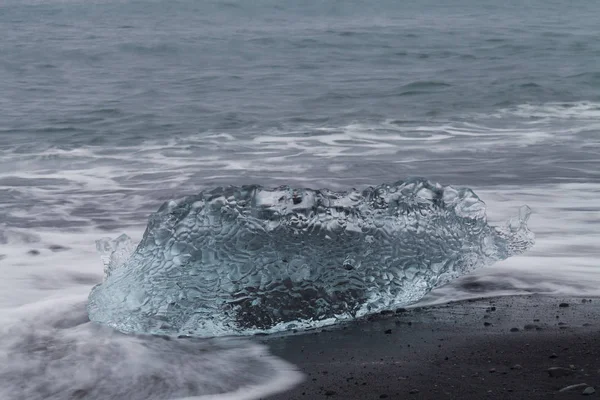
{"x":244,"y":260}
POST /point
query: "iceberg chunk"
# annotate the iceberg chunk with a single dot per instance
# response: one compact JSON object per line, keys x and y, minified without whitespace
{"x":243,"y":260}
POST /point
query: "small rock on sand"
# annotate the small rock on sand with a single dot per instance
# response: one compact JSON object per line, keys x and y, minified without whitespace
{"x":414,"y":391}
{"x":563,"y":305}
{"x":33,"y":252}
{"x":514,"y":329}
{"x":531,"y":327}
{"x":573,"y":387}
{"x":588,"y":390}
{"x":557,"y":372}
{"x":56,"y":247}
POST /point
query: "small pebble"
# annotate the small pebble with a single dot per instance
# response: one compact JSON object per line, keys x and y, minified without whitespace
{"x":330,"y":393}
{"x":492,"y":370}
{"x":588,"y":390}
{"x":388,"y":331}
{"x":414,"y":391}
{"x":557,"y":372}
{"x":486,"y":324}
{"x":563,"y":305}
{"x":56,"y":247}
{"x":553,"y":355}
{"x":383,"y":396}
{"x":514,"y":329}
{"x":571,"y":387}
{"x":516,"y":366}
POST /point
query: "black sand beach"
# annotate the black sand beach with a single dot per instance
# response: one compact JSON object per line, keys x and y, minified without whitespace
{"x":519,"y":347}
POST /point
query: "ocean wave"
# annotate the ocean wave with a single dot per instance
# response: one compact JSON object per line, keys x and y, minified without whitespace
{"x":425,"y":85}
{"x":582,"y":111}
{"x":50,"y":350}
{"x":75,"y":185}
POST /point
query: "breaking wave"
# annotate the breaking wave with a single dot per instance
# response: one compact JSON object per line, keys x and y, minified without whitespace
{"x":50,"y":350}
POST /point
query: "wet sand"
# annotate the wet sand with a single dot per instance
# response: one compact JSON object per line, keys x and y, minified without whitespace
{"x":498,"y":348}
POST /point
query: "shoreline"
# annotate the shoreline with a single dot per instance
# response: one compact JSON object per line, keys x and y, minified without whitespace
{"x":492,"y":348}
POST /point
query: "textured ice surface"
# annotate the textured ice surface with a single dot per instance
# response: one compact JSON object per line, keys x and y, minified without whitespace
{"x":241,"y":260}
{"x":114,"y":253}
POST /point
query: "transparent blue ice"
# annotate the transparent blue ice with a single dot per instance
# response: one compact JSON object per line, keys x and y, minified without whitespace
{"x":243,"y":260}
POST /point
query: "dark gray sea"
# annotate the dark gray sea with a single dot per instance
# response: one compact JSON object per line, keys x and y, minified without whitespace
{"x":110,"y":107}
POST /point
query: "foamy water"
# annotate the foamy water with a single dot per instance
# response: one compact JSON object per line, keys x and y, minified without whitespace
{"x":564,"y":260}
{"x":50,"y":350}
{"x":57,"y":202}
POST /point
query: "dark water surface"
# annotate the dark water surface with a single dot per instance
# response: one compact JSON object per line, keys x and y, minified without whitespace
{"x":109,"y":108}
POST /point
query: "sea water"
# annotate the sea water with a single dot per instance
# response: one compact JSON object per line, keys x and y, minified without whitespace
{"x":109,"y":108}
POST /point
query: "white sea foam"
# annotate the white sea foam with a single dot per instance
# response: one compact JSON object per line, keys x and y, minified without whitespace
{"x":300,"y":151}
{"x":50,"y":350}
{"x":513,"y":156}
{"x":564,"y":260}
{"x":583,"y":110}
